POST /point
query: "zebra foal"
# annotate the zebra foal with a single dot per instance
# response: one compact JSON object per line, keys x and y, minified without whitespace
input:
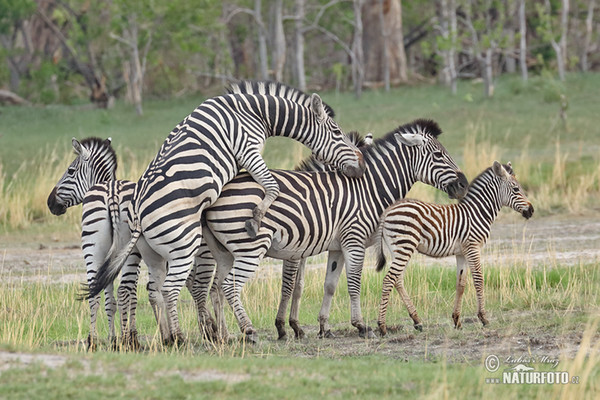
{"x":444,"y":230}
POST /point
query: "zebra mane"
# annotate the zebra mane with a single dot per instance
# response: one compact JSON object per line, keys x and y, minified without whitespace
{"x":276,"y":89}
{"x":95,"y":144}
{"x":488,"y":171}
{"x":311,"y":164}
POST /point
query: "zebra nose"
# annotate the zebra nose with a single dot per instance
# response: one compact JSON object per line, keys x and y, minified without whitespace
{"x":528,"y":212}
{"x":55,"y":207}
{"x":458,"y":188}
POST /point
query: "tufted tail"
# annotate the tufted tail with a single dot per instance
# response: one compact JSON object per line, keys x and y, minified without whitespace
{"x":379,"y":248}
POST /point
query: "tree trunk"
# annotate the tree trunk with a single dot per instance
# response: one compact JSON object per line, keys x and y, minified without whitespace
{"x":357,"y":50}
{"x":564,"y":30}
{"x":374,"y":40}
{"x":262,"y":41}
{"x":278,"y":41}
{"x":488,"y":78}
{"x":386,"y":57}
{"x":588,"y":35}
{"x":452,"y":51}
{"x":522,"y":40}
{"x":299,"y":45}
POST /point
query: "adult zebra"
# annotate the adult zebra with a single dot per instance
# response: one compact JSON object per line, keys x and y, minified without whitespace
{"x":202,"y":154}
{"x":444,"y":230}
{"x":90,"y":179}
{"x":323,"y":211}
{"x":96,"y":163}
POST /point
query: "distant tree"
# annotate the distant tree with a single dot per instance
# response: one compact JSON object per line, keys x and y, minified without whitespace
{"x":15,"y":36}
{"x":589,"y":20}
{"x":546,"y":28}
{"x":522,"y":40}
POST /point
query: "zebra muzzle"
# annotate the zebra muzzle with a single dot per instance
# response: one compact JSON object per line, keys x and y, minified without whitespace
{"x":528,"y":212}
{"x":355,"y":169}
{"x":56,"y":207}
{"x":458,"y":189}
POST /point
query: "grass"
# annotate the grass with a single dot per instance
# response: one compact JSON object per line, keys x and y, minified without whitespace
{"x":545,"y":305}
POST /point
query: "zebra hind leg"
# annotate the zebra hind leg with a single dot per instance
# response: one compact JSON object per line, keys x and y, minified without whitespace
{"x":290,"y":269}
{"x":296,"y":296}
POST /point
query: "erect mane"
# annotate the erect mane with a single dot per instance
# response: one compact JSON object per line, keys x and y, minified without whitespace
{"x":95,"y":144}
{"x":311,"y":164}
{"x":276,"y":89}
{"x":417,"y":126}
{"x":487,"y":171}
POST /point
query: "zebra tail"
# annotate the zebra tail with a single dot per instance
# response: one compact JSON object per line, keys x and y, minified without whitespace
{"x":379,"y":248}
{"x":112,"y":265}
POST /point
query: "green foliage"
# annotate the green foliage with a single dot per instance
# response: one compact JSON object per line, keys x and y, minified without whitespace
{"x":14,"y":11}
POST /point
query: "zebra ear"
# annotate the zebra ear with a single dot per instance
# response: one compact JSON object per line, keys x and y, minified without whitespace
{"x":499,"y":170}
{"x":76,"y":146}
{"x":107,"y":142}
{"x":369,"y":139}
{"x":410,"y":139}
{"x":316,"y":105}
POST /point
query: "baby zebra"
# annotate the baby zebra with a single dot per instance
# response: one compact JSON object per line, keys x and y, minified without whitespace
{"x":444,"y":230}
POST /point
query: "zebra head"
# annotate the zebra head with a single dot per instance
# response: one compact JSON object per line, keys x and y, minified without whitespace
{"x":313,"y":164}
{"x":96,"y":162}
{"x":510,"y":192}
{"x":330,"y":145}
{"x":432,"y":164}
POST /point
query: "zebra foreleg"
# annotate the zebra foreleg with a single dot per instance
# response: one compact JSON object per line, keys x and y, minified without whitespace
{"x":296,"y":296}
{"x":288,"y":279}
{"x":335,"y":264}
{"x":256,"y":167}
{"x":198,"y":284}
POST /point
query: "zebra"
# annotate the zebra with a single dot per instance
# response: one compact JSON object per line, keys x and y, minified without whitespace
{"x":443,"y":230}
{"x":203,"y":153}
{"x":323,"y":211}
{"x":104,"y":206}
{"x":95,"y":164}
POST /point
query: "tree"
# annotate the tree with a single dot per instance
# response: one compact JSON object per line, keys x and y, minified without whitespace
{"x":15,"y":29}
{"x":383,"y":41}
{"x":522,"y":40}
{"x":589,"y":20}
{"x":547,"y":31}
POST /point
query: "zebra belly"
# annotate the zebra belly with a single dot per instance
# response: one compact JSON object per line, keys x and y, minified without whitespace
{"x":437,"y":249}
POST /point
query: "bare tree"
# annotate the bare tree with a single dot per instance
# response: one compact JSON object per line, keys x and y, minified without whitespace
{"x":589,"y":20}
{"x":560,"y":47}
{"x":447,"y":28}
{"x":383,"y":41}
{"x":357,"y":49}
{"x":135,"y":68}
{"x":522,"y":40}
{"x":299,"y":45}
{"x":278,"y":49}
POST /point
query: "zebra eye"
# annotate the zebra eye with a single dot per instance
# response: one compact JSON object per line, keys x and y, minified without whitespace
{"x":71,"y":170}
{"x":515,"y":189}
{"x":438,"y":154}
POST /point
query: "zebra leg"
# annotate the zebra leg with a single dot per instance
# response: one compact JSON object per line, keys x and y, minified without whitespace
{"x":157,"y":271}
{"x":243,"y":268}
{"x":296,"y":296}
{"x":288,"y":279}
{"x":354,"y":256}
{"x":127,"y":299}
{"x":110,"y":307}
{"x":335,"y":264}
{"x":256,"y":167}
{"x":461,"y":282}
{"x":389,"y":281}
{"x":176,"y":278}
{"x":199,"y":284}
{"x":474,"y":260}
{"x":92,"y":339}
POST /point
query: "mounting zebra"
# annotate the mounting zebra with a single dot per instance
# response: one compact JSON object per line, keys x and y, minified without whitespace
{"x":443,"y":230}
{"x":203,"y":153}
{"x":95,"y":164}
{"x":323,"y":211}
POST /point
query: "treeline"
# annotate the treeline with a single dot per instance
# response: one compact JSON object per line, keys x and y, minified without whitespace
{"x":63,"y":51}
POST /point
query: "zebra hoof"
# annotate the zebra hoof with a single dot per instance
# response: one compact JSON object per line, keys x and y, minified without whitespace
{"x":326,"y":334}
{"x":419,"y":327}
{"x":299,"y":334}
{"x":91,"y":344}
{"x":252,"y":228}
{"x":250,"y":337}
{"x":366,"y":333}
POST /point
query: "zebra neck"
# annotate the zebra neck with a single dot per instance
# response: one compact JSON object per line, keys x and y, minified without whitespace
{"x":389,"y":176}
{"x":286,"y":118}
{"x":482,"y":200}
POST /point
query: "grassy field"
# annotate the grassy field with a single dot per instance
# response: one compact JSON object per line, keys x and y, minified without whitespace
{"x":536,"y":309}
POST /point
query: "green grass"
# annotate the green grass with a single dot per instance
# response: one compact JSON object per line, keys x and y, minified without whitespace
{"x":543,"y":305}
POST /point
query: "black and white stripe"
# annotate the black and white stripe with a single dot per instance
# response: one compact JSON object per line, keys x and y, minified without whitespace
{"x":444,"y":230}
{"x":323,"y":211}
{"x":203,"y":153}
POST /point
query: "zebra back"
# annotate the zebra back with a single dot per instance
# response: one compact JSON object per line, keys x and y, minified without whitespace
{"x":277,"y":89}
